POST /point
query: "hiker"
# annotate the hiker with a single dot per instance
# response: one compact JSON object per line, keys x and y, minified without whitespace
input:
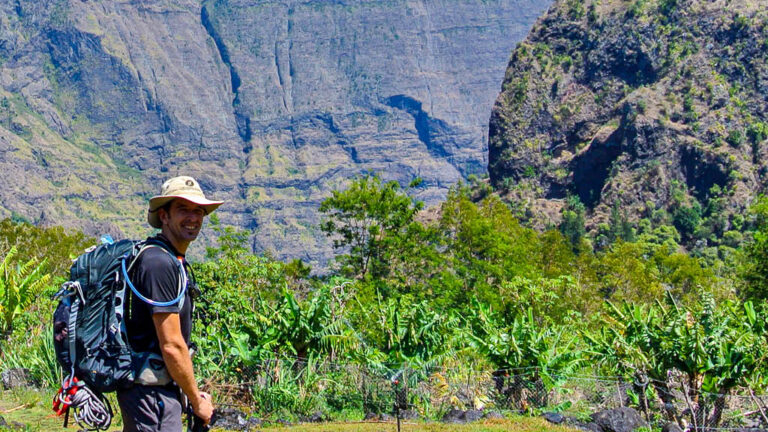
{"x":165,"y":330}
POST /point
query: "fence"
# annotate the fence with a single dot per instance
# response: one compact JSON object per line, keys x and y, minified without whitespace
{"x":282,"y":388}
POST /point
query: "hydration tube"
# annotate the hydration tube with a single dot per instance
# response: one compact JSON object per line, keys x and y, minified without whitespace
{"x":147,"y":300}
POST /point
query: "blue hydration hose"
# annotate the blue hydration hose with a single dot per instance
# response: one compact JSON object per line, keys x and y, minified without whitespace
{"x":147,"y":300}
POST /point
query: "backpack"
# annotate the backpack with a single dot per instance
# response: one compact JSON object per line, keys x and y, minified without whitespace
{"x":90,"y":337}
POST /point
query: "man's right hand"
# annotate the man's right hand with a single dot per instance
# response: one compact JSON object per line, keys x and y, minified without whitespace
{"x":204,"y":408}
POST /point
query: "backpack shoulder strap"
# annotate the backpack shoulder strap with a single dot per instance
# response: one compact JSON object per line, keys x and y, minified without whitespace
{"x":182,"y":288}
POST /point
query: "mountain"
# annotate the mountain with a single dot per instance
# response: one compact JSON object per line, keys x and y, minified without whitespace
{"x":271,"y":104}
{"x":652,"y":107}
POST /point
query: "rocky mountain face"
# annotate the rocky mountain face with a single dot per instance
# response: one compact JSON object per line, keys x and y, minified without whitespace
{"x":652,"y":106}
{"x":271,"y":104}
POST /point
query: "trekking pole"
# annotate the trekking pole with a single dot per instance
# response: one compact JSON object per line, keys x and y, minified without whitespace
{"x":194,"y":423}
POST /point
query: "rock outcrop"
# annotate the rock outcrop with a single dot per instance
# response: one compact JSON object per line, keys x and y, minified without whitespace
{"x":271,"y":104}
{"x":649,"y":106}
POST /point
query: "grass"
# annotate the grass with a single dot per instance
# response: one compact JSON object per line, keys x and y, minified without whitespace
{"x":32,"y":408}
{"x":517,"y":424}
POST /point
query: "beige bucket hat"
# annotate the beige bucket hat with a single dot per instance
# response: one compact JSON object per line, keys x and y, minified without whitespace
{"x":183,"y":187}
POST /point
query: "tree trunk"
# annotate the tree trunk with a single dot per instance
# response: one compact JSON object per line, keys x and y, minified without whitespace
{"x":717,"y":411}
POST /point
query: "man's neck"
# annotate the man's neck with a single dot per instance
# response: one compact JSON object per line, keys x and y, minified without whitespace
{"x":180,"y":246}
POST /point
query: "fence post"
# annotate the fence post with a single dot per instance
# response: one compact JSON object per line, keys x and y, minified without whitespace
{"x":618,"y":393}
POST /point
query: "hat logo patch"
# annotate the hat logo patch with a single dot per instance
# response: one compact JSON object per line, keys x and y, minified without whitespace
{"x":190,"y":183}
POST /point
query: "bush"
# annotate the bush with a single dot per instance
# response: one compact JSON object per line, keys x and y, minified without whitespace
{"x":686,"y":219}
{"x":735,"y":138}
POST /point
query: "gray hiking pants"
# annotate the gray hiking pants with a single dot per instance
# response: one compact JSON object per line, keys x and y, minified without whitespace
{"x":151,"y":408}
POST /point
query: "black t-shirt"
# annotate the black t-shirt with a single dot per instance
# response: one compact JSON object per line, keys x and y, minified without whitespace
{"x":155,"y":274}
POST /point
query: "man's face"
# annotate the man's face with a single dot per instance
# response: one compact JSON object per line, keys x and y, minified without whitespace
{"x":183,"y":220}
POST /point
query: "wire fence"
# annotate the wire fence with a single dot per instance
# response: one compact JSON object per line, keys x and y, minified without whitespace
{"x":302,"y":389}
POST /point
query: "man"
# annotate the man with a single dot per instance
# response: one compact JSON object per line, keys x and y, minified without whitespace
{"x":162,"y":326}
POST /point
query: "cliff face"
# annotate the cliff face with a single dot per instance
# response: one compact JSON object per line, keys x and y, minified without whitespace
{"x":650,"y":105}
{"x":271,"y":104}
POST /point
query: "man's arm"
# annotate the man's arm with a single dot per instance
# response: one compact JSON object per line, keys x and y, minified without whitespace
{"x":179,"y":364}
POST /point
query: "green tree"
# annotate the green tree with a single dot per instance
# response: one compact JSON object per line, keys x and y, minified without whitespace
{"x":620,"y":228}
{"x":521,"y":341}
{"x":687,"y":219}
{"x":55,"y":245}
{"x":624,"y":272}
{"x":403,"y":332}
{"x":572,"y":224}
{"x":232,"y":243}
{"x":486,"y":245}
{"x":755,"y":268}
{"x":367,"y":218}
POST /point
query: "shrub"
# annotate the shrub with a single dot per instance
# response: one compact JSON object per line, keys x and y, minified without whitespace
{"x":686,"y":219}
{"x":735,"y":138}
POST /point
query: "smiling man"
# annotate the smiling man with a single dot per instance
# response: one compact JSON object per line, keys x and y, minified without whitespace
{"x":161,"y":327}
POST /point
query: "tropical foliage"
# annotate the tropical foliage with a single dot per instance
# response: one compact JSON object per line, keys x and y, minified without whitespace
{"x":421,"y":297}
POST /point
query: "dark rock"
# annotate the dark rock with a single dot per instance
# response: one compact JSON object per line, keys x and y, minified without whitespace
{"x":371,"y":416}
{"x":493,"y":415}
{"x":316,"y":417}
{"x":622,"y":419}
{"x":386,"y":418}
{"x":591,"y":427}
{"x":453,"y":416}
{"x":16,"y":377}
{"x":473,"y":415}
{"x":578,"y":424}
{"x":409,"y":415}
{"x":3,"y":423}
{"x":553,"y":417}
{"x":232,"y":419}
{"x":459,"y":416}
{"x":671,"y":427}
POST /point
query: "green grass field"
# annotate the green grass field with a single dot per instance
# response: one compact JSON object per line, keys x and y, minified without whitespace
{"x":518,"y":424}
{"x":33,"y":409}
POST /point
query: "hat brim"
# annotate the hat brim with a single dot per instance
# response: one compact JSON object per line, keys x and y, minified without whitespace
{"x":156,"y":202}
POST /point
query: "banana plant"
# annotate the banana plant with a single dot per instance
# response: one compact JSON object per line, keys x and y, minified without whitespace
{"x":715,"y":347}
{"x":403,"y":334}
{"x":311,"y":326}
{"x":20,"y":284}
{"x":544,"y":353}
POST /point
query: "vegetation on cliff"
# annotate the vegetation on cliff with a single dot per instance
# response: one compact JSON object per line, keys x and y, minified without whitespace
{"x":651,"y":111}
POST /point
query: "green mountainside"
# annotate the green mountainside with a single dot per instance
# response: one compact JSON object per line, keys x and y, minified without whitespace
{"x":646,"y":111}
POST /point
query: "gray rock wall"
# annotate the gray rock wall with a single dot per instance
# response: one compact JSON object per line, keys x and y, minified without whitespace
{"x":271,"y":104}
